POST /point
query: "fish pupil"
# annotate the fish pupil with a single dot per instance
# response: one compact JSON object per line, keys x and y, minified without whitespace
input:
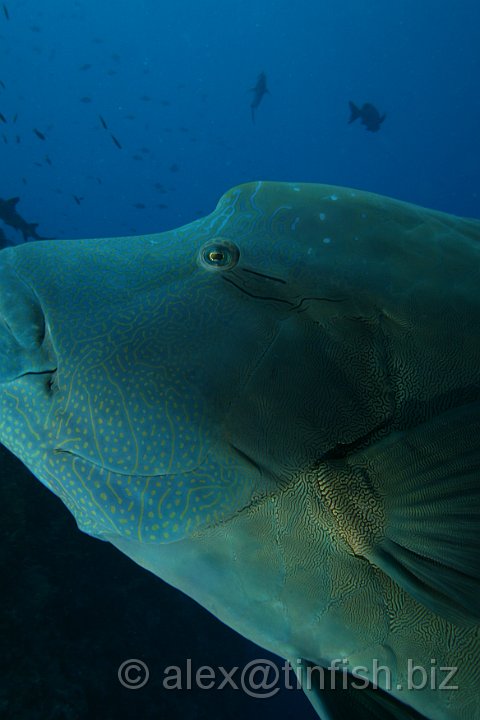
{"x":216,"y":256}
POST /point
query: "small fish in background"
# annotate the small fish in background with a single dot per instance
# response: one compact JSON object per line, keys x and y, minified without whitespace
{"x":119,"y":146}
{"x":174,"y":168}
{"x":10,"y":216}
{"x":47,"y":160}
{"x":2,"y":84}
{"x":104,"y":124}
{"x":139,"y":206}
{"x":77,"y":199}
{"x":87,"y":66}
{"x":15,"y":118}
{"x":5,"y":139}
{"x":3,"y":118}
{"x":39,"y":134}
{"x":86,"y":99}
{"x":368,"y":114}
{"x":5,"y":11}
{"x":259,"y":90}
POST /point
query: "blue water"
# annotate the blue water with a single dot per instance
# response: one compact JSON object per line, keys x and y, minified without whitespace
{"x":172,"y":82}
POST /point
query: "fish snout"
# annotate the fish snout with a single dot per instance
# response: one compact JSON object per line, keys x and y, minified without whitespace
{"x":24,"y":346}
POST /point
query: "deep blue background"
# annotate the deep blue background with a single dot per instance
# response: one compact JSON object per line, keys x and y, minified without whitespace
{"x":172,"y":81}
{"x":417,"y":61}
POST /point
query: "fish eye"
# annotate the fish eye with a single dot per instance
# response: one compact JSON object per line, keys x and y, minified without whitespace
{"x":219,"y":254}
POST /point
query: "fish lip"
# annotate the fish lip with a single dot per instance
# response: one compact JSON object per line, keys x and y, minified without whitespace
{"x":24,"y":317}
{"x":26,"y":346}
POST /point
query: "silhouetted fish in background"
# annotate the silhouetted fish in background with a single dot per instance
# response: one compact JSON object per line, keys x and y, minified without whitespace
{"x":370,"y":117}
{"x":259,"y":91}
{"x":10,"y":216}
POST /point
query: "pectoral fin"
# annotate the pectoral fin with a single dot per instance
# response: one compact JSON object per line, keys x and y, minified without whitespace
{"x":425,"y":496}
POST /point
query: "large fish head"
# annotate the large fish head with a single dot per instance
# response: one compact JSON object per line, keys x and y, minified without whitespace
{"x":159,"y":384}
{"x":123,"y":363}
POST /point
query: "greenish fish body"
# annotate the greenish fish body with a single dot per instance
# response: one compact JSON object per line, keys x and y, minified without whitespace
{"x":276,"y":409}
